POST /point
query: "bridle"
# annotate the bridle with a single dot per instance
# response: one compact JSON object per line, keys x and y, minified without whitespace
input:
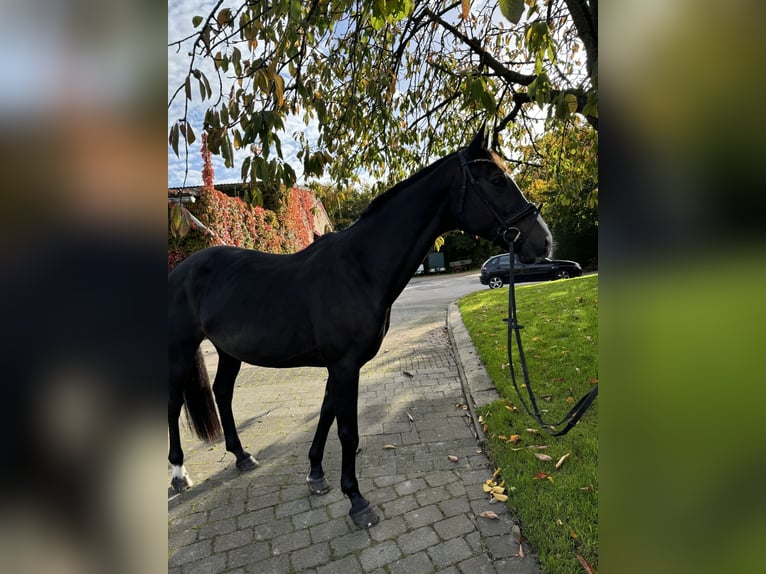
{"x":507,"y":227}
{"x":510,"y":233}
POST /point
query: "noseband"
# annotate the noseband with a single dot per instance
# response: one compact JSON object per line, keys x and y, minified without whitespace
{"x":506,"y":227}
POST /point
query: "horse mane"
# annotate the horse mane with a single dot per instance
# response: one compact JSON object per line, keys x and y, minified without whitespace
{"x":377,"y":203}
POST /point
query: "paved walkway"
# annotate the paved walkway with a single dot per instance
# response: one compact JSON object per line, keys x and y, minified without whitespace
{"x":266,"y":521}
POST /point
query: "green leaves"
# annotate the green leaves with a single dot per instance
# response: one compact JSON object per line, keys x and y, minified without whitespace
{"x":564,"y":105}
{"x":180,"y":221}
{"x":389,"y":12}
{"x":512,"y":9}
{"x":180,"y":128}
{"x":314,"y":163}
{"x":478,"y":91}
{"x":381,"y":87}
{"x":540,"y":88}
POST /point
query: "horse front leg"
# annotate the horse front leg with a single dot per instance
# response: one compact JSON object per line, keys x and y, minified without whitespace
{"x":316,"y":480}
{"x":223,"y":388}
{"x":344,"y":388}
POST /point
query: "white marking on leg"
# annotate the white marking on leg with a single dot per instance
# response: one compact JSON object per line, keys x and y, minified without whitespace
{"x":179,"y":472}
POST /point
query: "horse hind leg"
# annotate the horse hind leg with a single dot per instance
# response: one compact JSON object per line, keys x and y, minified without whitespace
{"x":223,"y":388}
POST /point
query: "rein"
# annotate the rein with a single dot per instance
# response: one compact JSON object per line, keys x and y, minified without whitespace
{"x":576,"y":412}
{"x":511,"y":234}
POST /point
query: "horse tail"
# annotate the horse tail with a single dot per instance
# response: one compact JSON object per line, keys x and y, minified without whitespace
{"x":200,"y":403}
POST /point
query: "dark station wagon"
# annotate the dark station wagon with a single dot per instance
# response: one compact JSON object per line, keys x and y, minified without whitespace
{"x":496,"y":271}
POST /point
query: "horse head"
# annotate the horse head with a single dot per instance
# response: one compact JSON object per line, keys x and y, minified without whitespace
{"x":490,"y":204}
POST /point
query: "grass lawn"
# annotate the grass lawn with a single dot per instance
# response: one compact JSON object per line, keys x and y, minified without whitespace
{"x":558,"y":508}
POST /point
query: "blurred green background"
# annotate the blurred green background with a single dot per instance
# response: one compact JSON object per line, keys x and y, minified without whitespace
{"x":682,"y":281}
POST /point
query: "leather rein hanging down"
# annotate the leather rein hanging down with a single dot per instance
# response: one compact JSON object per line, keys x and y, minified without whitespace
{"x":512,"y":234}
{"x":577,"y":411}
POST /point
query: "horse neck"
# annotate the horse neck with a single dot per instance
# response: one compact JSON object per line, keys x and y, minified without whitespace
{"x":391,"y":243}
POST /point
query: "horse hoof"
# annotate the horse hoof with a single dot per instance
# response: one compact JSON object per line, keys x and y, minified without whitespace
{"x":365,"y":518}
{"x":181,"y":483}
{"x":248,"y":463}
{"x":318,"y":485}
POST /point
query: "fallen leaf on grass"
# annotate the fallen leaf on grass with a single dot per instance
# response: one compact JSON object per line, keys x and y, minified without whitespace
{"x":588,"y":568}
{"x":561,"y":460}
{"x":452,"y":457}
{"x":543,"y":457}
{"x":389,"y":446}
{"x":570,"y":400}
{"x":532,"y":431}
{"x":589,"y":488}
{"x":541,"y":476}
{"x":514,"y":438}
{"x":489,"y":514}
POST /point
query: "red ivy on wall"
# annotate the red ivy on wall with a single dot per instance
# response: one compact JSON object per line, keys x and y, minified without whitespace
{"x":231,"y":221}
{"x":299,"y":216}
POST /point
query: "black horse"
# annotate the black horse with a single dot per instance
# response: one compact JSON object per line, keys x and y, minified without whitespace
{"x":328,"y":305}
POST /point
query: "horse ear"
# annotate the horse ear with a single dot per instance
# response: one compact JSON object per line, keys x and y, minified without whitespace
{"x":479,"y":141}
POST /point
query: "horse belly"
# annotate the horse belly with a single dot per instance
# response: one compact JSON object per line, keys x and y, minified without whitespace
{"x":265,"y":342}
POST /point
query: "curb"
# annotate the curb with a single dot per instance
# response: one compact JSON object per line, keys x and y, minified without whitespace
{"x":478,"y":388}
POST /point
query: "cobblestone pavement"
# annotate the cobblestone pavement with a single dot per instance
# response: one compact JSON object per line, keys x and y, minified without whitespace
{"x":266,"y":521}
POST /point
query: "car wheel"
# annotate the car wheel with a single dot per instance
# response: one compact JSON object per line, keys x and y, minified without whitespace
{"x":562,"y":274}
{"x":495,"y":282}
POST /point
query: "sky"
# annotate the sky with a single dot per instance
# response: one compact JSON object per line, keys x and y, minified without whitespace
{"x":180,"y":14}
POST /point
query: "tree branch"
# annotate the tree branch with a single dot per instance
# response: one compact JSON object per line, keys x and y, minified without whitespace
{"x":586,"y":29}
{"x":487,"y":58}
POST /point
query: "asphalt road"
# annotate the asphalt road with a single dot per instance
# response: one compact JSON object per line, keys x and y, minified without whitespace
{"x":425,"y":299}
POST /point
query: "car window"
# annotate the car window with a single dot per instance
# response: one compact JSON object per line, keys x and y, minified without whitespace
{"x":505,"y":259}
